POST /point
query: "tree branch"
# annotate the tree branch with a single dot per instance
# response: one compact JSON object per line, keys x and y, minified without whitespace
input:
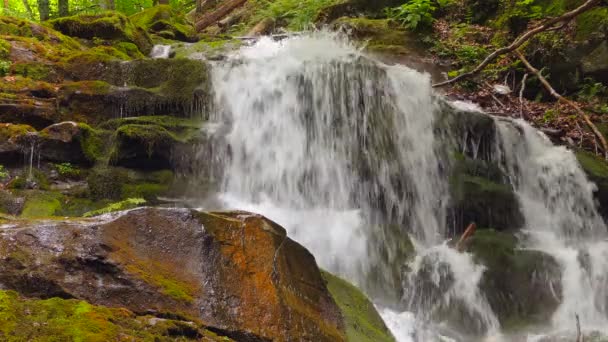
{"x":522,"y":39}
{"x":560,"y":98}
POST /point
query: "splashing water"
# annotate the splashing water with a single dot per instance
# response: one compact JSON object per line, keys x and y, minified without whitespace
{"x":561,"y":219}
{"x":329,"y":143}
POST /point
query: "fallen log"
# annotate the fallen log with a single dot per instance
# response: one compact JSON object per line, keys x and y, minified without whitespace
{"x":220,"y":12}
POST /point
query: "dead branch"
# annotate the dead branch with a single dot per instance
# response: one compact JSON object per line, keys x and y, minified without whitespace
{"x":223,"y":10}
{"x":560,"y":98}
{"x":465,"y":236}
{"x":549,"y":24}
{"x":521,"y":95}
{"x":579,"y":334}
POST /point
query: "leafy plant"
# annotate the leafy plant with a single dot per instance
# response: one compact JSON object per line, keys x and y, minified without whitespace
{"x":5,"y":66}
{"x":415,"y":14}
{"x":123,"y":205}
{"x":67,"y":170}
{"x":592,"y":89}
{"x":3,"y":173}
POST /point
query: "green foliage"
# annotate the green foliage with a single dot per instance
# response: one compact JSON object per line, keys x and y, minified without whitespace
{"x":299,"y":14}
{"x":41,"y":204}
{"x":67,"y":170}
{"x":591,"y":89}
{"x":3,"y":173}
{"x":550,"y":115}
{"x":5,"y":67}
{"x":118,"y":206}
{"x":417,"y":14}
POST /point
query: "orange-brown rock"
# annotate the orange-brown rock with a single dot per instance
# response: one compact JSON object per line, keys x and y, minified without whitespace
{"x":234,"y":272}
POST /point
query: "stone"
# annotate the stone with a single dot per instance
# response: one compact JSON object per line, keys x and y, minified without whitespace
{"x":236,"y":273}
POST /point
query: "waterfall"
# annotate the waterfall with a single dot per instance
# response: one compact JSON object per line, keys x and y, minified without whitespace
{"x":331,"y":145}
{"x":561,"y":220}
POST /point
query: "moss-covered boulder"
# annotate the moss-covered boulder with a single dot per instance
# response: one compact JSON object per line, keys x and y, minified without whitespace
{"x":236,"y":273}
{"x":166,"y":22}
{"x":11,"y":136}
{"x":522,"y":286}
{"x":380,"y":35}
{"x":597,"y":170}
{"x":70,"y":142}
{"x":363,"y":323}
{"x":150,"y":142}
{"x":60,"y":319}
{"x":479,"y":195}
{"x":111,"y":26}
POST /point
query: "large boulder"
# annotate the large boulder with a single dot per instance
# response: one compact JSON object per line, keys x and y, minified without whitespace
{"x":165,"y":22}
{"x":236,"y":273}
{"x":108,"y":25}
{"x":522,"y":286}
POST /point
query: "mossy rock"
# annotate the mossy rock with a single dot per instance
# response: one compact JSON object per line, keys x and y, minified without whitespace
{"x":163,"y":18}
{"x":206,"y":48}
{"x":60,"y":319}
{"x":108,"y":25}
{"x":597,"y":170}
{"x":480,"y":194}
{"x":41,"y":204}
{"x":363,"y":322}
{"x":381,"y":35}
{"x":116,"y":184}
{"x":391,"y":249}
{"x":10,"y":26}
{"x":522,"y":286}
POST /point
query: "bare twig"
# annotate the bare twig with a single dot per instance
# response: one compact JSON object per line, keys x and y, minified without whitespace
{"x":579,"y":334}
{"x":560,"y":98}
{"x":521,"y":95}
{"x":549,"y":24}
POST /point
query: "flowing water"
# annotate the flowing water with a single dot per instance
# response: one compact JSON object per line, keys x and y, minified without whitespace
{"x":345,"y":153}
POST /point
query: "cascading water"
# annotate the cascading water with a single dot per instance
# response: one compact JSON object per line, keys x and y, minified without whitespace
{"x":561,"y":220}
{"x":331,"y":144}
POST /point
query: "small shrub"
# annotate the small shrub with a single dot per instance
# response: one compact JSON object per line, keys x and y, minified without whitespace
{"x":67,"y":170}
{"x":3,"y":173}
{"x":415,"y":14}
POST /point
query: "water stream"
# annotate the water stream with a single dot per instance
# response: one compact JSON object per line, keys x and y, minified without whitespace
{"x":345,"y":153}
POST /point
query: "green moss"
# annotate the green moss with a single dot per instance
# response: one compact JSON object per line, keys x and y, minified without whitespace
{"x":298,"y":14}
{"x":118,"y":206}
{"x":98,"y":54}
{"x":108,"y":25}
{"x":381,"y":35}
{"x":10,"y":131}
{"x":41,"y":204}
{"x":206,"y":48}
{"x":163,"y":18}
{"x":150,"y":135}
{"x":129,"y":49}
{"x":5,"y":49}
{"x":107,"y":183}
{"x":34,"y":70}
{"x":591,"y":22}
{"x":92,"y":143}
{"x":363,"y":323}
{"x":58,"y":319}
{"x":593,"y":165}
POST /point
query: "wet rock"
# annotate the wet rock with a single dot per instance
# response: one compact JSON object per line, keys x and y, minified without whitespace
{"x":522,"y":286}
{"x":10,"y":141}
{"x":63,"y":142}
{"x":597,"y":170}
{"x":235,"y":272}
{"x":363,"y":323}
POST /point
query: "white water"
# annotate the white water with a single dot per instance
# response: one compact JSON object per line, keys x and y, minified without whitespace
{"x":561,"y":217}
{"x":160,"y":51}
{"x":329,"y":143}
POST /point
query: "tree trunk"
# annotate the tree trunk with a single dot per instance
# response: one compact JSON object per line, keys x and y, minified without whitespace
{"x":163,"y":2}
{"x":44,"y":9}
{"x":223,"y":10}
{"x":28,"y":8}
{"x":64,"y":8}
{"x":203,"y":5}
{"x":5,"y":2}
